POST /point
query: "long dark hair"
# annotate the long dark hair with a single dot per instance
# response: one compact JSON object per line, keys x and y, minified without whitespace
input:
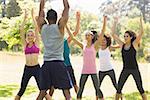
{"x":108,"y":39}
{"x":95,"y":35}
{"x":132,"y":35}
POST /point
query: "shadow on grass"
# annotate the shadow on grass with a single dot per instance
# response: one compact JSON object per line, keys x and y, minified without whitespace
{"x":8,"y":90}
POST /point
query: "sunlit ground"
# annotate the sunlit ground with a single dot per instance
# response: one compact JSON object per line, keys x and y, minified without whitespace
{"x":11,"y":70}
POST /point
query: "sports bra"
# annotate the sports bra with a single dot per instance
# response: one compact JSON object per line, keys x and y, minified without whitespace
{"x":31,"y":50}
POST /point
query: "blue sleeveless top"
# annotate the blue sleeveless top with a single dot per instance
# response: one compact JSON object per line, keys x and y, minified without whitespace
{"x":66,"y":53}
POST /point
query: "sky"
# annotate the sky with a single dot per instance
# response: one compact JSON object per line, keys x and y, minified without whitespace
{"x":86,"y":5}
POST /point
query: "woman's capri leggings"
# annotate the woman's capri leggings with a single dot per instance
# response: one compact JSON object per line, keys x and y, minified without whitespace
{"x":125,"y":74}
{"x":111,"y":74}
{"x":83,"y":80}
{"x":27,"y":74}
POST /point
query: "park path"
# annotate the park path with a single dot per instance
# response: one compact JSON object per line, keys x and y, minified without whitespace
{"x":12,"y":65}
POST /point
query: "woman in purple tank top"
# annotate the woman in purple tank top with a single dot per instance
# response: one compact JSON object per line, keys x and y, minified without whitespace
{"x":30,"y":42}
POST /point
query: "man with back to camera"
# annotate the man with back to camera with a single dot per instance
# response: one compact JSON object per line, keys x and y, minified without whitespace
{"x":53,"y":71}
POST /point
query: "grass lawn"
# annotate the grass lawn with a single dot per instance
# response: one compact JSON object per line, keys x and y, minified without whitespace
{"x":7,"y":91}
{"x":10,"y":90}
{"x":131,"y":96}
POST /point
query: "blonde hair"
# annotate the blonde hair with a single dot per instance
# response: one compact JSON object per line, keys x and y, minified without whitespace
{"x":30,"y":30}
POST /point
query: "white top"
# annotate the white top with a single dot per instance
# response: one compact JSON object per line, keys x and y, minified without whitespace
{"x":104,"y":59}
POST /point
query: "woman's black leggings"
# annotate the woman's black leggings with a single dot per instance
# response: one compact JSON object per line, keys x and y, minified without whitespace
{"x":27,"y":74}
{"x":125,"y":74}
{"x":83,"y":80}
{"x":111,"y":74}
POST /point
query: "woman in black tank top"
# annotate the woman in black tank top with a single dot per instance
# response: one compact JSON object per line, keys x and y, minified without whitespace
{"x":130,"y":66}
{"x":129,"y":58}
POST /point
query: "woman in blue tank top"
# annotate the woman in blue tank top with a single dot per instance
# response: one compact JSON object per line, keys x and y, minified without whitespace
{"x":130,"y":66}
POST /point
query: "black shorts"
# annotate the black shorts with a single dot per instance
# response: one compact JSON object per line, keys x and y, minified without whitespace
{"x":72,"y":76}
{"x":54,"y":73}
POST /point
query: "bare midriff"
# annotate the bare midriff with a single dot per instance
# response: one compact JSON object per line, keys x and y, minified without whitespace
{"x":32,"y":59}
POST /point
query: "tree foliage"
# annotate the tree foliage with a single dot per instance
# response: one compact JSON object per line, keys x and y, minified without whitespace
{"x":11,"y":32}
{"x":1,"y":1}
{"x":9,"y":28}
{"x":13,"y":9}
{"x":125,"y":7}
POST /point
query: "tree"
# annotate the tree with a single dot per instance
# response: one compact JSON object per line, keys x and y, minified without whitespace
{"x":124,"y":7}
{"x":11,"y":33}
{"x":143,"y":6}
{"x":13,"y":9}
{"x":1,"y":1}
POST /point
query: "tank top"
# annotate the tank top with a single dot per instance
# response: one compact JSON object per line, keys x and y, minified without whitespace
{"x":104,"y":59}
{"x":32,"y":49}
{"x":66,"y":53}
{"x":89,"y":60}
{"x":129,"y":58}
{"x":53,"y":42}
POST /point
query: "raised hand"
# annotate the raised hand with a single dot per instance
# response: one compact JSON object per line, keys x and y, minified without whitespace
{"x":115,"y":20}
{"x":139,"y":36}
{"x":25,"y":14}
{"x":34,"y":18}
{"x":113,"y":32}
{"x":104,"y":25}
{"x":22,"y":31}
{"x":32,"y":12}
{"x":141,"y":25}
{"x":78,"y":15}
{"x":64,"y":19}
{"x":105,"y":18}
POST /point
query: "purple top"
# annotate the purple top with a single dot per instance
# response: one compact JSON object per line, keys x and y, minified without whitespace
{"x":31,"y":50}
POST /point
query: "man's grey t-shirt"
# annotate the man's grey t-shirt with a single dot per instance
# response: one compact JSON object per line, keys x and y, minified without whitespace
{"x":53,"y":42}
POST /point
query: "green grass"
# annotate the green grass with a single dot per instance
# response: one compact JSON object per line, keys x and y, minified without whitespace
{"x":7,"y":91}
{"x":10,"y":90}
{"x":136,"y":96}
{"x":30,"y":90}
{"x":131,"y":96}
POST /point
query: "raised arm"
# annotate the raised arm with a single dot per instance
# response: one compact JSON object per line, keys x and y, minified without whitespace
{"x":41,"y":17}
{"x":114,"y":47}
{"x":104,"y":26}
{"x":36,"y":27}
{"x":99,"y":40}
{"x":113,"y":31}
{"x":22,"y":31}
{"x":63,"y":20}
{"x":138,"y":38}
{"x":77,"y":26}
{"x":73,"y":38}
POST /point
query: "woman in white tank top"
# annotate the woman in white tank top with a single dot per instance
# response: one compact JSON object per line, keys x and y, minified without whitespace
{"x":106,"y":67}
